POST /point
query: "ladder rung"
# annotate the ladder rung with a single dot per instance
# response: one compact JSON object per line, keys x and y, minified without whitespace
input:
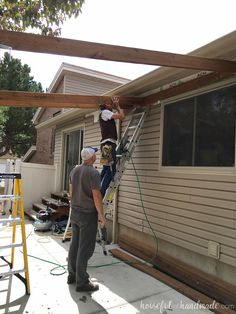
{"x":132,"y":127}
{"x":10,"y":175}
{"x":9,"y":197}
{"x":9,"y":246}
{"x":12,"y":272}
{"x":137,"y":114}
{"x":11,"y":220}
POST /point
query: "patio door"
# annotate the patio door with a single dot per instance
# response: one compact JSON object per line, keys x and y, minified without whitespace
{"x":73,"y":147}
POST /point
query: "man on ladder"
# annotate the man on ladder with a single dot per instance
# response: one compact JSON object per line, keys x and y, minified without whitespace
{"x":112,"y":173}
{"x":108,"y":142}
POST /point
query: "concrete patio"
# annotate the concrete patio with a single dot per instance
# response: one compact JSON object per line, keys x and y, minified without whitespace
{"x":123,"y":289}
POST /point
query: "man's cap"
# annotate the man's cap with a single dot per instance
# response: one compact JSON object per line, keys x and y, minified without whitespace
{"x":88,"y":152}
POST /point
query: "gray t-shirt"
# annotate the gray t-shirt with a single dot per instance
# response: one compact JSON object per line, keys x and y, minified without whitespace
{"x":84,"y":179}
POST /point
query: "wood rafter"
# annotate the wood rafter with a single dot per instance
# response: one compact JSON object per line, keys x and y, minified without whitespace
{"x":28,"y":99}
{"x":84,"y":49}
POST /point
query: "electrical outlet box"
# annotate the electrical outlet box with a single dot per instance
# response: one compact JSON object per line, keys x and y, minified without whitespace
{"x":214,"y":249}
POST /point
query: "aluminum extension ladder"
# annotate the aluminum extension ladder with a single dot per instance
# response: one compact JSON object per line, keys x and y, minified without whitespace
{"x":15,"y":218}
{"x":124,"y":152}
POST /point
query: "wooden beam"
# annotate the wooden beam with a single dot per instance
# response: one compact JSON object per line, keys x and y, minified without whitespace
{"x":207,"y":284}
{"x":186,"y":87}
{"x":76,"y":48}
{"x":184,"y":289}
{"x":28,"y":99}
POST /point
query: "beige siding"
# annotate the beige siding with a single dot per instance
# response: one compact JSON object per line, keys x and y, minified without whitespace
{"x":186,"y":209}
{"x":87,"y":85}
{"x":91,"y":138}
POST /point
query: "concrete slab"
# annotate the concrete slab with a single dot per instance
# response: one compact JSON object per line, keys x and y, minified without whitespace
{"x":123,"y":289}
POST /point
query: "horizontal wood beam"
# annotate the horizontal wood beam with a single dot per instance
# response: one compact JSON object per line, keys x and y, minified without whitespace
{"x":76,"y":48}
{"x":209,"y":285}
{"x":55,"y":100}
{"x":186,"y":87}
{"x":28,"y":99}
{"x":184,"y":289}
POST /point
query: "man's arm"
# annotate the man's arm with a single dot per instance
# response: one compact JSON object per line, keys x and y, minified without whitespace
{"x":97,"y":198}
{"x":120,"y":113}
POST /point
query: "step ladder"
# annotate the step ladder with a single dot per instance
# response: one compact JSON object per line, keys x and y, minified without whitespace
{"x":124,"y":152}
{"x":15,"y":218}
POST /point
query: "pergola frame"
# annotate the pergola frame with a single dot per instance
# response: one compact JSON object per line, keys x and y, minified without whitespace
{"x":62,"y":46}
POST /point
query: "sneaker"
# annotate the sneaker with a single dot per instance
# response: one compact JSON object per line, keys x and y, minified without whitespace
{"x":70,"y":279}
{"x":89,"y":287}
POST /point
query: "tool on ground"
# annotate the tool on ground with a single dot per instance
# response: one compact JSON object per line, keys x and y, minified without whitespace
{"x":43,"y":219}
{"x":16,"y":217}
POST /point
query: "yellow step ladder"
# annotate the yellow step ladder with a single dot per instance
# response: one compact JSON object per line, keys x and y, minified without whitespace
{"x":15,"y":218}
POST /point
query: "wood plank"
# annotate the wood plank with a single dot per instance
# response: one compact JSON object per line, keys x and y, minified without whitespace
{"x":76,"y":48}
{"x":210,"y":285}
{"x":55,"y":100}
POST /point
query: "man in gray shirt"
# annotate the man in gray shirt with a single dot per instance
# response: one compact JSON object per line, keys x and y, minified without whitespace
{"x":86,"y":210}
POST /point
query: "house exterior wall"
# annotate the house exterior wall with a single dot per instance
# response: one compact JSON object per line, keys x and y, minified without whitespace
{"x":85,"y":85}
{"x":44,"y":140}
{"x":186,"y":208}
{"x":91,"y":138}
{"x":44,"y":147}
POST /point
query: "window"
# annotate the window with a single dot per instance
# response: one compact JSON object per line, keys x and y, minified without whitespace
{"x":200,"y":131}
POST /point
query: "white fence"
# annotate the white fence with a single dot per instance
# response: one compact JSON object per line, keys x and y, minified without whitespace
{"x":37,"y":181}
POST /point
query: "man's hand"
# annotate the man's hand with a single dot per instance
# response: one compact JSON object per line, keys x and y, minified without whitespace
{"x":115,"y":102}
{"x":102,"y":221}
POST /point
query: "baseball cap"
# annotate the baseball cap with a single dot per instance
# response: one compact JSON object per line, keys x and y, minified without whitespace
{"x":88,"y":152}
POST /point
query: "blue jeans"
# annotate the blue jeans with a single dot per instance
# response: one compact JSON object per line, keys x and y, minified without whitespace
{"x":108,"y":172}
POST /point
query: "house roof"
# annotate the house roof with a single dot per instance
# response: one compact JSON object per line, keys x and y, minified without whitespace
{"x":163,"y":77}
{"x":70,"y":68}
{"x":30,"y":152}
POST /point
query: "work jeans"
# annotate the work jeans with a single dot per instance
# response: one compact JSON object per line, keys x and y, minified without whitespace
{"x":108,"y":172}
{"x":84,"y":231}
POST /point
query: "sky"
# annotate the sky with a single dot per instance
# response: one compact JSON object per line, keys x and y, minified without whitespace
{"x":177,"y":26}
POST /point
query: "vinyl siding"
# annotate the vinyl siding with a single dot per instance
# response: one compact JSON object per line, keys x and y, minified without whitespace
{"x":91,"y":138}
{"x":87,"y":85}
{"x":186,"y":209}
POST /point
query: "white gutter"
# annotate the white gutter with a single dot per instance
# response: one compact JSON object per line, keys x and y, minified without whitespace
{"x":73,"y":113}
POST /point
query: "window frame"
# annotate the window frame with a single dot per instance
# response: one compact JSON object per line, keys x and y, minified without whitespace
{"x":194,"y":169}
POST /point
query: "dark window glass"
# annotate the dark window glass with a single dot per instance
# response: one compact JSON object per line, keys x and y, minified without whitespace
{"x":215,"y":128}
{"x":178,"y":134}
{"x":201,"y":131}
